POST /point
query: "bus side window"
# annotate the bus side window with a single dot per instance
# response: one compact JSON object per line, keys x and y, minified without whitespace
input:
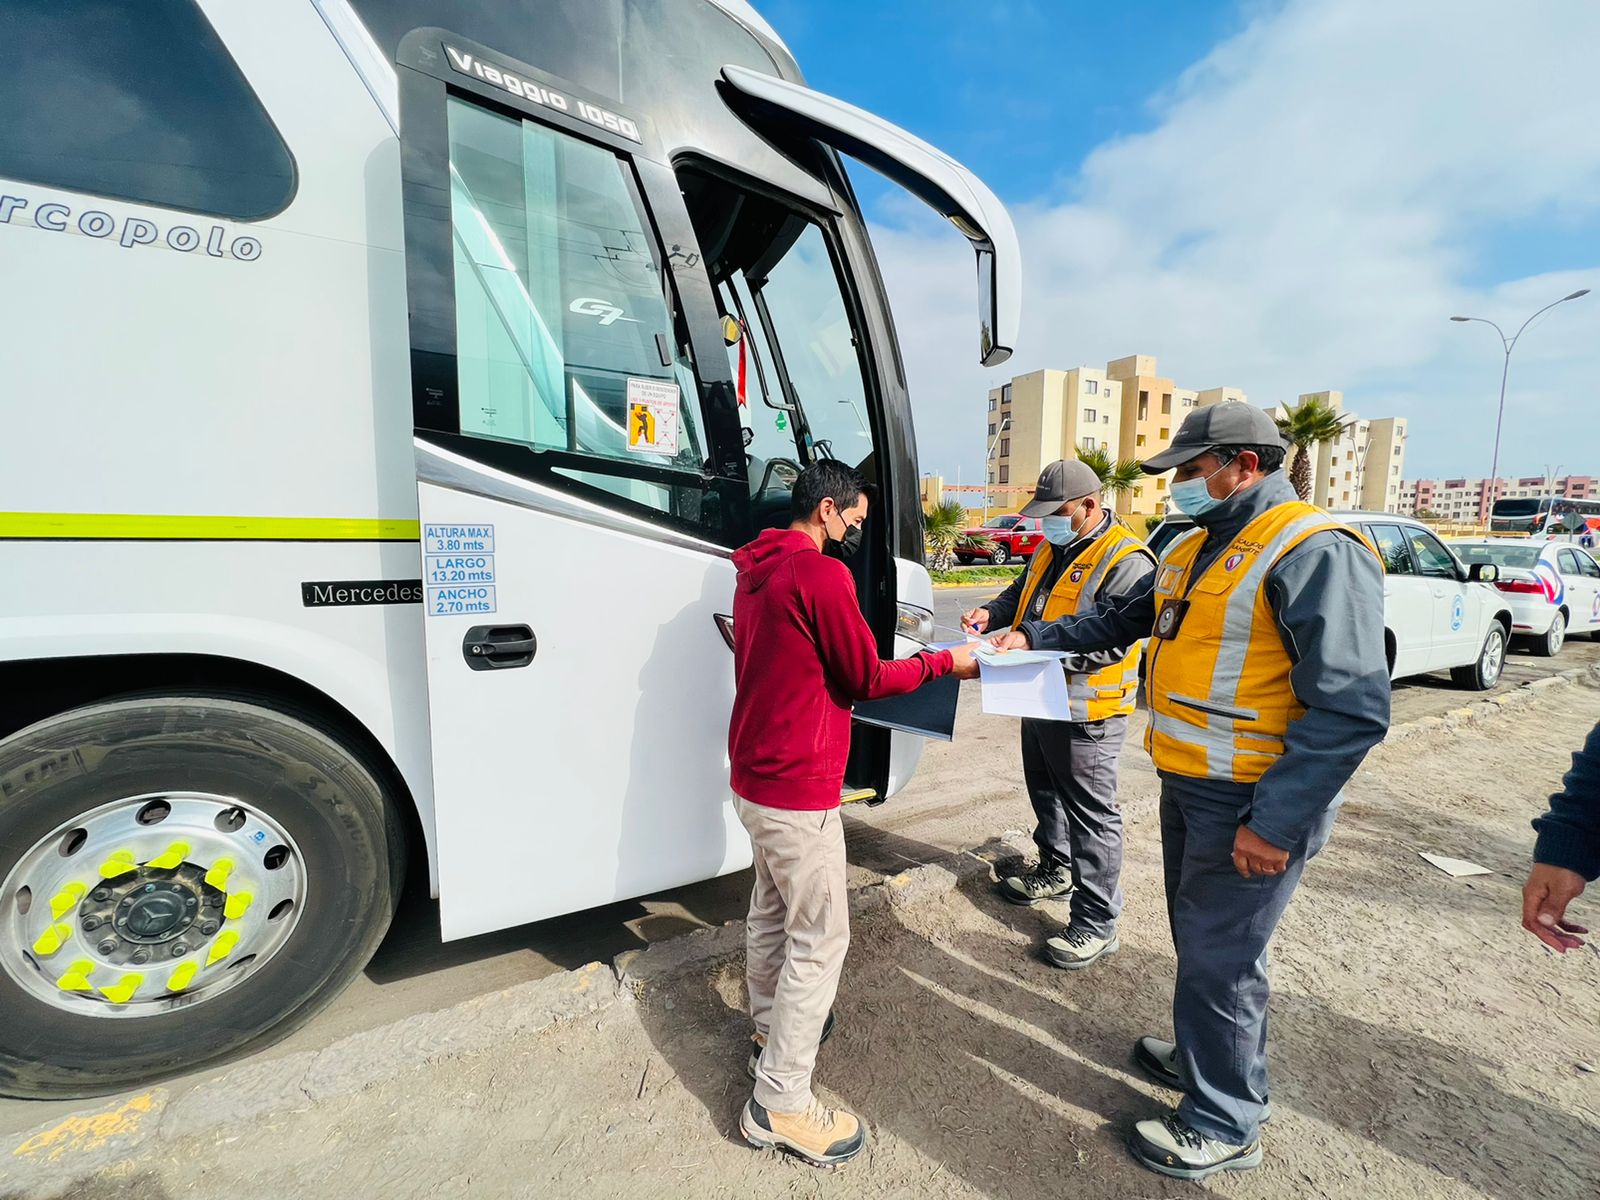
{"x":564,"y":316}
{"x":136,"y":102}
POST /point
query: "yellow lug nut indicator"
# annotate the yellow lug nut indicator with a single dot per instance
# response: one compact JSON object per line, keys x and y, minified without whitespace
{"x":120,"y":863}
{"x":182,"y":976}
{"x":52,"y":939}
{"x":67,"y":898}
{"x":77,"y":977}
{"x":123,"y":989}
{"x":223,"y":946}
{"x":171,"y":857}
{"x":236,"y":905}
{"x":217,"y":876}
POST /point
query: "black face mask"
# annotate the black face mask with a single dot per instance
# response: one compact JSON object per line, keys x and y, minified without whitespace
{"x":846,"y":546}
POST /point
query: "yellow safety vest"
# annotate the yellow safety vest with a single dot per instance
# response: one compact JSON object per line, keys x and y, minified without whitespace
{"x":1218,"y":689}
{"x":1111,"y":691}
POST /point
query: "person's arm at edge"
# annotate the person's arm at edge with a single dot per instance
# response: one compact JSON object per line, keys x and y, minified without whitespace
{"x":1569,"y":833}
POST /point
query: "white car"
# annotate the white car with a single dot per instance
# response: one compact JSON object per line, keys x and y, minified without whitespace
{"x":1553,"y":587}
{"x":1438,"y":613}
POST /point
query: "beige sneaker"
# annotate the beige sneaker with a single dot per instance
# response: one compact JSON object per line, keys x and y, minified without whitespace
{"x":759,"y":1043}
{"x":823,"y":1136}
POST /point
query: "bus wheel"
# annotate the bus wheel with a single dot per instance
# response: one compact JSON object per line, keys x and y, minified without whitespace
{"x":184,"y":879}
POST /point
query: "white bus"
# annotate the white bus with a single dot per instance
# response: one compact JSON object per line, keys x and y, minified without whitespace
{"x":385,"y":384}
{"x":1555,"y":517}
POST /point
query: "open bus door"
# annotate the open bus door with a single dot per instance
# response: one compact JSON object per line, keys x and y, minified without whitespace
{"x":585,"y":466}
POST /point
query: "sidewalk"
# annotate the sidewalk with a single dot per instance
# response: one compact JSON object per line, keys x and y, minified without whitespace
{"x":1422,"y":1044}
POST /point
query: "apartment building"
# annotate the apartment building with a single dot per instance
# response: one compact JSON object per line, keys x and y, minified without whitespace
{"x":1469,"y":500}
{"x":1045,"y":415}
{"x":1362,"y":468}
{"x":1128,"y":410}
{"x":1380,"y":448}
{"x":1209,"y":396}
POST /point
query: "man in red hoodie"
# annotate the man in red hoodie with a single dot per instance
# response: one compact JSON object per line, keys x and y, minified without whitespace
{"x":803,"y":654}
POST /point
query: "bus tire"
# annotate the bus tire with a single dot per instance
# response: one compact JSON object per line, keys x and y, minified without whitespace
{"x":83,"y":793}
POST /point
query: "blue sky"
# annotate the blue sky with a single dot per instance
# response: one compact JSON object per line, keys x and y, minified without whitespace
{"x":1054,"y":78}
{"x":1280,"y":195}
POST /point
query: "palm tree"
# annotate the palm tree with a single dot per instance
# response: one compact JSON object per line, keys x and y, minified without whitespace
{"x":1118,"y":477}
{"x":1308,"y":424}
{"x":944,"y":528}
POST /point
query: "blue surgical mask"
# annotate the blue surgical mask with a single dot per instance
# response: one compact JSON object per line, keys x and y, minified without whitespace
{"x":1193,"y":497}
{"x":1058,"y":531}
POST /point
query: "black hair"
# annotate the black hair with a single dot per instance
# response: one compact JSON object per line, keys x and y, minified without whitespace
{"x":1270,"y":457}
{"x":828,"y":479}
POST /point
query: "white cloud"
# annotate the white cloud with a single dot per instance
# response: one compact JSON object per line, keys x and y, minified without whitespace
{"x":1314,"y":202}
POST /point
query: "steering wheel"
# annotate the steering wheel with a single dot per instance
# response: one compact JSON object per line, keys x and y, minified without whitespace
{"x":766,"y":475}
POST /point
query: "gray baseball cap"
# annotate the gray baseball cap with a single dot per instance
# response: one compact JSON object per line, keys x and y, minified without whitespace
{"x":1061,"y":482}
{"x":1231,"y":423}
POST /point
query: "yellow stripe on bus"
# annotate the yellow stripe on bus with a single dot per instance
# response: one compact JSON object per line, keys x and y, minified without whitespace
{"x":152,"y":527}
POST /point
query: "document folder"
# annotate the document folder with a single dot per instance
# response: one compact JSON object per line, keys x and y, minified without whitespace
{"x":930,"y":711}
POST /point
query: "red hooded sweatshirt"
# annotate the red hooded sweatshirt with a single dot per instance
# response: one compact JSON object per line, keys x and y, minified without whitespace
{"x":802,"y":655}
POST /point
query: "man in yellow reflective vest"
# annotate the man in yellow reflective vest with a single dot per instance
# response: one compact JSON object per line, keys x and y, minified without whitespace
{"x":1268,"y":683}
{"x":1070,"y":767}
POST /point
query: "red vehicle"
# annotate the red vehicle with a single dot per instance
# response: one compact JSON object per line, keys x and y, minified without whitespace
{"x":1013,"y":535}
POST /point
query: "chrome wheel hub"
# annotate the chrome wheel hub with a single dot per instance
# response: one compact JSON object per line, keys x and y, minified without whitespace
{"x":150,"y":903}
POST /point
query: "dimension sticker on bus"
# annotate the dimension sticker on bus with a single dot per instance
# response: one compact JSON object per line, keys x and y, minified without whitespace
{"x":458,"y":569}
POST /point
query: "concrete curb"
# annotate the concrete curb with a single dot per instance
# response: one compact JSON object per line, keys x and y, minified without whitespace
{"x":56,"y":1157}
{"x":1469,"y":715}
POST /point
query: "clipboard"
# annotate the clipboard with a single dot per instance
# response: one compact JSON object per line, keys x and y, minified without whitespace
{"x":930,"y":711}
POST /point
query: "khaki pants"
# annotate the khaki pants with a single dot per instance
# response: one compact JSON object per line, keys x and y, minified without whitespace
{"x":795,"y":942}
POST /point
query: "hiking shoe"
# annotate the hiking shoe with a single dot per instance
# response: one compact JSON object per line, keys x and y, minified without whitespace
{"x":759,"y":1043}
{"x":1159,"y":1060}
{"x":1042,"y":883}
{"x":1072,"y":949}
{"x":823,"y":1136}
{"x":1170,"y":1146}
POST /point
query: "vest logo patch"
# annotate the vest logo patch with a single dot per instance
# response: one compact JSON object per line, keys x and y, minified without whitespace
{"x":1076,"y":575}
{"x":1232,"y":562}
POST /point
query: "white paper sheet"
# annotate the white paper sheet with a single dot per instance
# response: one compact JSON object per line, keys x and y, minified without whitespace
{"x":1456,"y":867}
{"x":1036,"y":690}
{"x":988,"y":656}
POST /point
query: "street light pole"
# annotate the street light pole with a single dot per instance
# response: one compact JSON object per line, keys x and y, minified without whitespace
{"x":1005,"y":423}
{"x":1509,"y":344}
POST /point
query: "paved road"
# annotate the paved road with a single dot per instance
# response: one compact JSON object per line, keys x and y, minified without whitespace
{"x":414,"y":972}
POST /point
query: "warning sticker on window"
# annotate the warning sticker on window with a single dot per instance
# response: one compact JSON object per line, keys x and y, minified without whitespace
{"x":653,"y":416}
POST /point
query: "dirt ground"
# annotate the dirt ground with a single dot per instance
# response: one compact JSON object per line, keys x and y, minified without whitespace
{"x":1422,"y":1044}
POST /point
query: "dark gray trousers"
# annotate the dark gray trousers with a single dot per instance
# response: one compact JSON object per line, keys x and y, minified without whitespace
{"x":1070,"y":768}
{"x":1221,"y":924}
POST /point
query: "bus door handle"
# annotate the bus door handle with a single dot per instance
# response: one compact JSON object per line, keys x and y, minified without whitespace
{"x":493,"y":647}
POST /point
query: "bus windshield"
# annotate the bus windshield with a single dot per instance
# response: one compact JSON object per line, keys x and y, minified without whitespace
{"x":1557,"y":517}
{"x":1519,"y":516}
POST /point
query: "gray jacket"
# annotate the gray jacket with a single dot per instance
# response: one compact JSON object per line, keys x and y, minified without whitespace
{"x":1327,"y":596}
